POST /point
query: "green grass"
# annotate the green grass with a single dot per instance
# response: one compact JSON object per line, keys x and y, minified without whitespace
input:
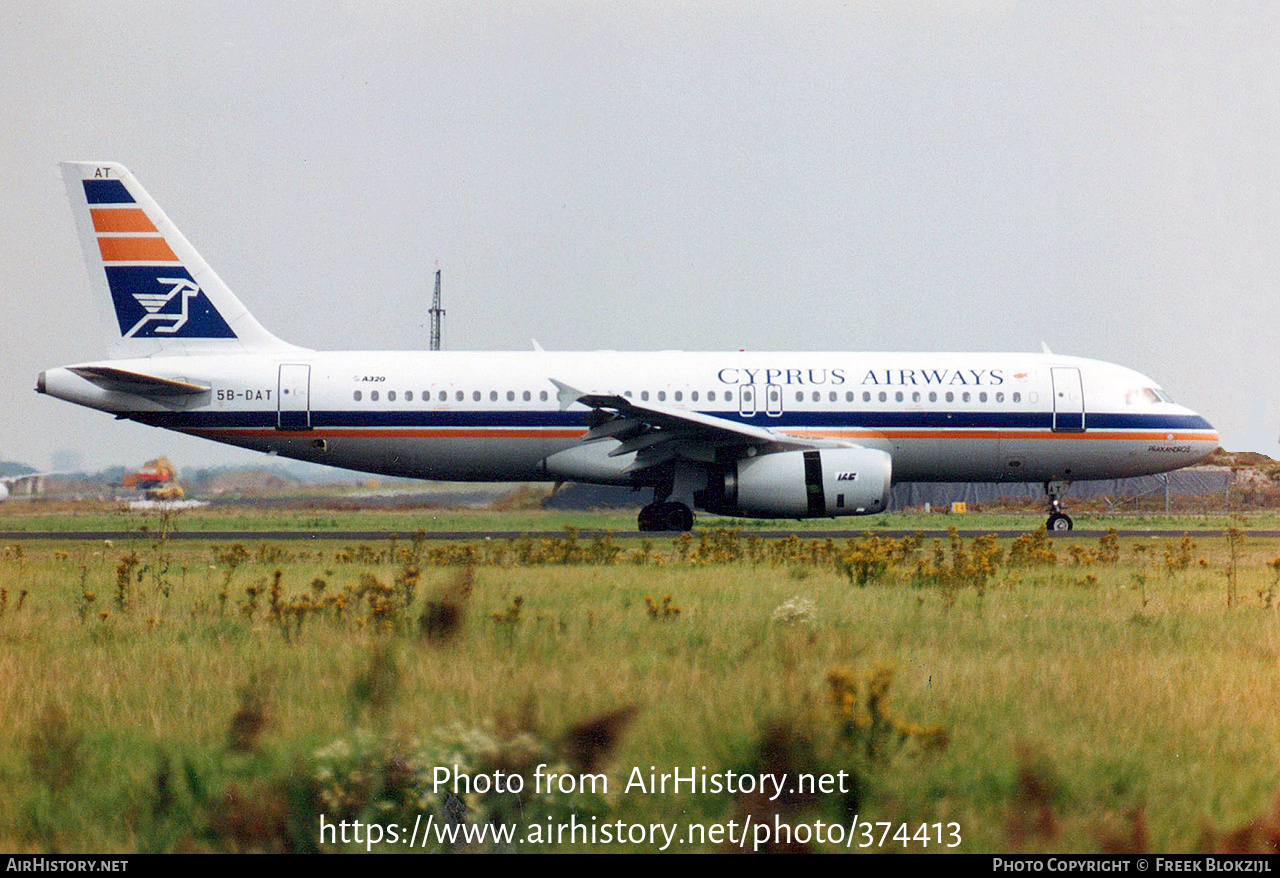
{"x":54,"y":516}
{"x":1132,"y":685}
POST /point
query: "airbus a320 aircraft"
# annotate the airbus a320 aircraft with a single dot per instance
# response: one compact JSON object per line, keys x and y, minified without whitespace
{"x":793,"y":435}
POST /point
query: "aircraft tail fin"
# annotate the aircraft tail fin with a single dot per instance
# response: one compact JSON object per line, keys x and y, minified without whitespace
{"x":165,"y":299}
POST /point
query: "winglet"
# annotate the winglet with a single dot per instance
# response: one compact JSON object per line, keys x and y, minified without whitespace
{"x":537,"y":347}
{"x":1044,"y":348}
{"x":566,"y":395}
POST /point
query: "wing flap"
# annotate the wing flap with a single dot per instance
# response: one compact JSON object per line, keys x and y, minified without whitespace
{"x":658,"y":435}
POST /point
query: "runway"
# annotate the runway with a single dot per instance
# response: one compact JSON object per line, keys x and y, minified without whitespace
{"x":463,"y":535}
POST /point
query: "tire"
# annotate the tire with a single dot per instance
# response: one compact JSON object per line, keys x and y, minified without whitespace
{"x":648,"y":520}
{"x":677,"y":517}
{"x":1059,"y":523}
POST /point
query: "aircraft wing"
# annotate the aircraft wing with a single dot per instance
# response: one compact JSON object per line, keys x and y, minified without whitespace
{"x":125,"y":381}
{"x":658,"y":434}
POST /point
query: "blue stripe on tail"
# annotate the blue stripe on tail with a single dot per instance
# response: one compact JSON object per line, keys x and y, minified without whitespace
{"x":106,"y":192}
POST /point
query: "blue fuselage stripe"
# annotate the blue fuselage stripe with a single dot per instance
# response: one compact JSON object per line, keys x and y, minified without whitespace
{"x":797,"y":419}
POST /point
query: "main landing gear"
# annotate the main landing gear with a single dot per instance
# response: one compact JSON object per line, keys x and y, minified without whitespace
{"x":666,"y":516}
{"x":1058,"y":521}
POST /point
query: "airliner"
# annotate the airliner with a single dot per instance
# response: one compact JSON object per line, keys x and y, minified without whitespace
{"x":776,"y":435}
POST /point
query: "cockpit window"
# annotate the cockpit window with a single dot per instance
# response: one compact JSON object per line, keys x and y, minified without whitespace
{"x":1146,"y":396}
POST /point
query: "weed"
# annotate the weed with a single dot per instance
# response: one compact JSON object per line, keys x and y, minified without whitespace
{"x":53,"y":750}
{"x":661,"y":612}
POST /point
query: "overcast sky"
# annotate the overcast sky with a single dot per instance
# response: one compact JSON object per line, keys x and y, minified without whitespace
{"x":645,"y":175}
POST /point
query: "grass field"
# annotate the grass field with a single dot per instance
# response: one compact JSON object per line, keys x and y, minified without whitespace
{"x":107,"y":516}
{"x":1071,"y":696}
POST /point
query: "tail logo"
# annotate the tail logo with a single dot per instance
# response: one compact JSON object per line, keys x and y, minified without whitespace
{"x":163,"y":302}
{"x":154,"y":303}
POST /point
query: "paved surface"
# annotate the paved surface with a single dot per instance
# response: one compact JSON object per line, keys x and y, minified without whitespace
{"x":455,"y":535}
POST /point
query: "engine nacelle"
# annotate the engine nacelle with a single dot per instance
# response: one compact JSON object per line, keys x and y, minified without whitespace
{"x":810,"y":484}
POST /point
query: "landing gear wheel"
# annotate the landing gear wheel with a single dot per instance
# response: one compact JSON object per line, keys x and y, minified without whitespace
{"x":1059,"y":522}
{"x":650,"y":518}
{"x":666,"y":517}
{"x":677,"y":517}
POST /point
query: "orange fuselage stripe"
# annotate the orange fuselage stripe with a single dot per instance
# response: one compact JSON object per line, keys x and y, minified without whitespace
{"x":120,"y":219}
{"x":135,"y":250}
{"x":1151,"y":436}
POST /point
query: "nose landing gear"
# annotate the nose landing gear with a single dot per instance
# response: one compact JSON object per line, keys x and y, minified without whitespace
{"x":1058,"y":521}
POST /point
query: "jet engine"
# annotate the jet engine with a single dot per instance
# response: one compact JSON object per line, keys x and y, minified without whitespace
{"x":809,"y":484}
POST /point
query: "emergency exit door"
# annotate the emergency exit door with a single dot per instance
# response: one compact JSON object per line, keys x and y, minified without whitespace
{"x":293,"y":397}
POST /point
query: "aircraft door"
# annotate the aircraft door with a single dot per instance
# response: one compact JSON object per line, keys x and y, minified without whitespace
{"x":1068,"y":400}
{"x":293,"y":397}
{"x":773,"y":400}
{"x":747,"y":400}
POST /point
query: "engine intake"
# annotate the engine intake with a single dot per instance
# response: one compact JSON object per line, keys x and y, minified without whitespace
{"x":825,"y":482}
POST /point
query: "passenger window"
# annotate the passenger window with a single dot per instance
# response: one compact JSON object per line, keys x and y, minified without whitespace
{"x":356,"y":396}
{"x":460,"y":396}
{"x":511,"y":396}
{"x":728,"y":396}
{"x":543,"y":396}
{"x":1000,"y":397}
{"x":866,"y":396}
{"x":527,"y":396}
{"x":982,"y":397}
{"x":884,"y":396}
{"x":391,"y":395}
{"x":965,"y":396}
{"x":933,"y":396}
{"x":1017,"y":397}
{"x":373,"y":395}
{"x":679,"y":395}
{"x":627,"y":394}
{"x":408,"y":395}
{"x":475,"y":395}
{"x":832,"y":396}
{"x":915,"y":396}
{"x":817,"y":396}
{"x":493,"y":396}
{"x":711,"y":396}
{"x":950,"y":396}
{"x":662,"y":396}
{"x":848,"y":396}
{"x":444,"y":395}
{"x":694,"y":396}
{"x":644,"y":396}
{"x":898,"y":396}
{"x":799,"y":396}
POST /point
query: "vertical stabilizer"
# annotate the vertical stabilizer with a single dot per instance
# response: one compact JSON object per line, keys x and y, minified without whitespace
{"x":164,"y":298}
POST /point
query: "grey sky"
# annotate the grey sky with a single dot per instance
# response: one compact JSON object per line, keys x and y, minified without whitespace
{"x":916,"y":175}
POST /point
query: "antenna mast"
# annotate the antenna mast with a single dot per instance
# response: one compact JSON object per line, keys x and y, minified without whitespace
{"x":437,"y":316}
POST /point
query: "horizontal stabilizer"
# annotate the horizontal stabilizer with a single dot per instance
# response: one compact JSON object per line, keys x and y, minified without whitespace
{"x":124,"y":381}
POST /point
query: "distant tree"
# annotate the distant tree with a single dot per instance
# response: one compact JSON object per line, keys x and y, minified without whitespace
{"x":13,"y":468}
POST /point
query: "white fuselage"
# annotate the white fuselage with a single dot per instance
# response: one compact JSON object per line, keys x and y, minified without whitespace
{"x":495,"y":416}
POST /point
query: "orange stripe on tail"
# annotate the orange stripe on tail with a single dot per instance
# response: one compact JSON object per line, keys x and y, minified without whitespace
{"x":135,"y":250}
{"x":120,"y":219}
